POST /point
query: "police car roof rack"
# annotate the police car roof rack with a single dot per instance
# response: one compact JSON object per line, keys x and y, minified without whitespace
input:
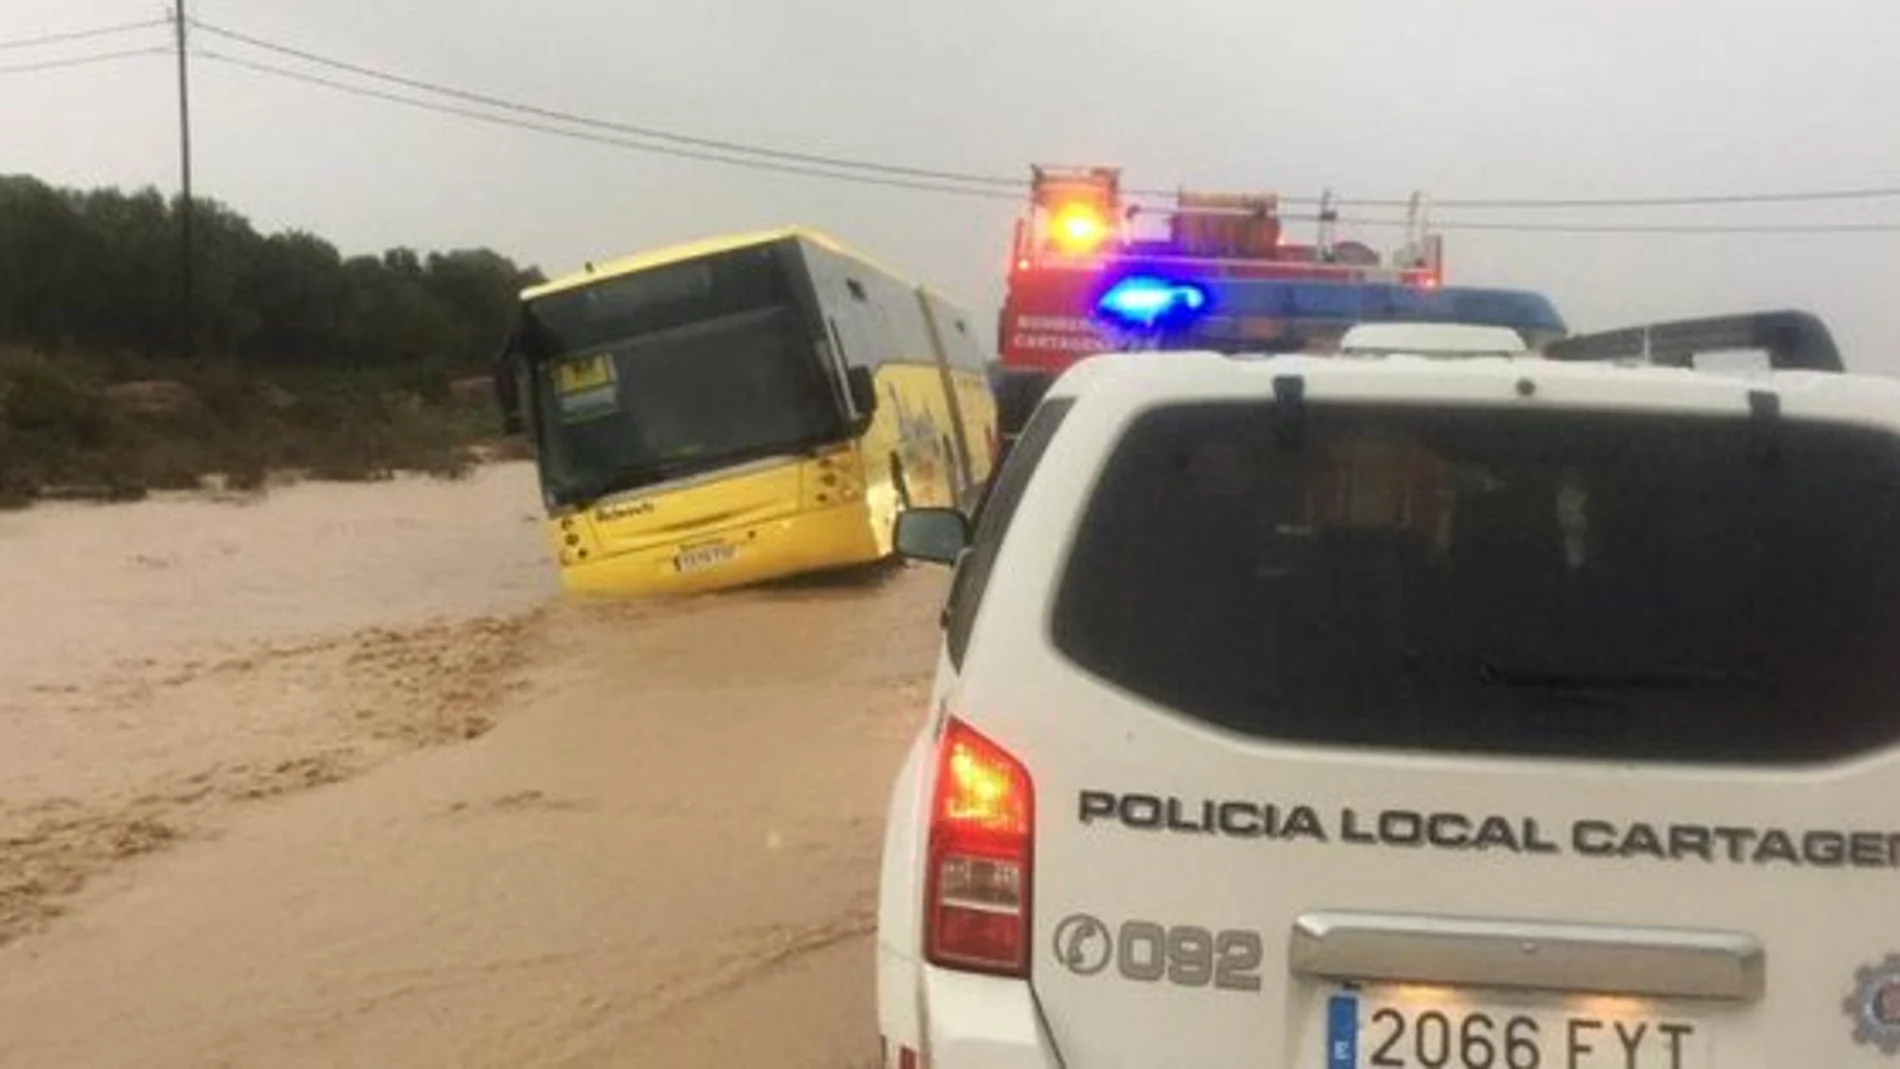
{"x":1793,"y":340}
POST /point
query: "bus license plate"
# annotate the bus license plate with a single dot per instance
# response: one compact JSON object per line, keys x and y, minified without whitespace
{"x":1378,"y":1029}
{"x":700,"y":558}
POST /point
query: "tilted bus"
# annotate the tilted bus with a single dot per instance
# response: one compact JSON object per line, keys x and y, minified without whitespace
{"x":742,"y":409}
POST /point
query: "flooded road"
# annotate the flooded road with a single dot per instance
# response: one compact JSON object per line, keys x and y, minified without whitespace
{"x":190,"y":573}
{"x":396,"y":805}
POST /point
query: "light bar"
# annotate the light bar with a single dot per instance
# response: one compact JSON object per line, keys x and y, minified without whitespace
{"x":1078,"y":229}
{"x":1146,"y":301}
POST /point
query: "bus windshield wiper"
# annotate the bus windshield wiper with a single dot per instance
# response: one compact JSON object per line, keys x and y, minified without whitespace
{"x":629,"y":479}
{"x":662,"y":470}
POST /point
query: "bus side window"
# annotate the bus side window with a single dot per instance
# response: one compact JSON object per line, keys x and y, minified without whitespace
{"x":857,"y":390}
{"x":852,"y":330}
{"x":839,"y":360}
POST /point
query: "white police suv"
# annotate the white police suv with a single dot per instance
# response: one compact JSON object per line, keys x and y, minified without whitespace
{"x":1534,"y":712}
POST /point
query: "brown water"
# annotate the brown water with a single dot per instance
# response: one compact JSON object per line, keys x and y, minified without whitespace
{"x":332,"y":778}
{"x":188,"y":573}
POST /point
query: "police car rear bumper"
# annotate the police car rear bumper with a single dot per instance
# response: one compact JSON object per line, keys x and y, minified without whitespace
{"x":958,"y":1020}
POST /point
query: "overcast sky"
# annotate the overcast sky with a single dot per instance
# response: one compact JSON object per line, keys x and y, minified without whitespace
{"x":1463,"y":98}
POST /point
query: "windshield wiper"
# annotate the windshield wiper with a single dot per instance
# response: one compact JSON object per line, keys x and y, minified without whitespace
{"x":662,"y":471}
{"x":628,"y":479}
{"x":1494,"y":674}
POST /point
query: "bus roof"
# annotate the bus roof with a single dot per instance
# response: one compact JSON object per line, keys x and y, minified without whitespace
{"x":694,"y":250}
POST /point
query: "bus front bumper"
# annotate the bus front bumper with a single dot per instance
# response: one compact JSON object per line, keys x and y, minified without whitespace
{"x":803,"y":542}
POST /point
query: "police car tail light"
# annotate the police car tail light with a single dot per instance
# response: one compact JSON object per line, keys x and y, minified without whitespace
{"x":982,"y":819}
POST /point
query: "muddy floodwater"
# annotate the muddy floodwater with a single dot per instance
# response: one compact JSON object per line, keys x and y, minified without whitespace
{"x":85,"y":583}
{"x":333,"y":777}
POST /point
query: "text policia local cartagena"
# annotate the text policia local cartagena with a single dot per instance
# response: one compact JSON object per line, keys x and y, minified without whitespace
{"x":1425,"y":830}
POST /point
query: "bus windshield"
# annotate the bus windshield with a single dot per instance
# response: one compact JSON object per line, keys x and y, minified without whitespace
{"x":665,"y":373}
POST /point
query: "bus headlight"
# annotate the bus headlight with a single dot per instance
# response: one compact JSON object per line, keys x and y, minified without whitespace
{"x":836,"y":478}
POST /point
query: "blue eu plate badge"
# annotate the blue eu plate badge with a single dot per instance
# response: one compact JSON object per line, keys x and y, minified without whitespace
{"x":1342,"y":1031}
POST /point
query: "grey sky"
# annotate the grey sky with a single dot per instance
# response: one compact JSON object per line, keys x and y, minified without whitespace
{"x":1464,"y":98}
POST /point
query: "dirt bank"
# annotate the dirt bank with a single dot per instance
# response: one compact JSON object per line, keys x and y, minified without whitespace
{"x":409,"y":811}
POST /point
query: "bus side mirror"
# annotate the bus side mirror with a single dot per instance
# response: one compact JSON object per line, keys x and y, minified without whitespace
{"x":933,"y":535}
{"x":508,"y":394}
{"x":863,"y":390}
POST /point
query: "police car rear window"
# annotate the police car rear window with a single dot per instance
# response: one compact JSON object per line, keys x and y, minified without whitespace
{"x":1633,"y":588}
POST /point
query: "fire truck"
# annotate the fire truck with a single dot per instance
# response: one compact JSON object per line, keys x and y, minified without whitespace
{"x":1098,"y":268}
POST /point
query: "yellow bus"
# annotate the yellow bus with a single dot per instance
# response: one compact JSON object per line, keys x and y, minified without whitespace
{"x":742,"y":409}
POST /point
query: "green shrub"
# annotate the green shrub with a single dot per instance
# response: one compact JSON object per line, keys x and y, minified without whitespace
{"x":61,"y":427}
{"x":53,"y":405}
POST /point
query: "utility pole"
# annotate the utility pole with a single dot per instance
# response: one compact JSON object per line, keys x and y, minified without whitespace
{"x":188,"y":334}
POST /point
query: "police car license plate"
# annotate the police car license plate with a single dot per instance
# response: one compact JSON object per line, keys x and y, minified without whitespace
{"x":1408,"y":1028}
{"x":700,"y":558}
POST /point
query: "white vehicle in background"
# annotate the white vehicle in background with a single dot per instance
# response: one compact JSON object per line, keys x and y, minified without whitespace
{"x":1310,"y":713}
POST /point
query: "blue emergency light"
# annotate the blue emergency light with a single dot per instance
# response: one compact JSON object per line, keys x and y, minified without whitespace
{"x":1148,"y":301}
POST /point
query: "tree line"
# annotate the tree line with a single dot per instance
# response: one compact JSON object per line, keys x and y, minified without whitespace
{"x":98,"y":271}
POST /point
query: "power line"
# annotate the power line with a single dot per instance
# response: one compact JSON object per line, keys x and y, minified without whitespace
{"x":735,"y":154}
{"x":1536,"y":227}
{"x":1815,"y":196}
{"x":510,"y":122}
{"x":83,"y":61}
{"x":936,"y":179}
{"x":78,"y":35}
{"x":599,"y":139}
{"x":187,"y":204}
{"x":630,"y":129}
{"x":1520,"y":227}
{"x":1016,"y":184}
